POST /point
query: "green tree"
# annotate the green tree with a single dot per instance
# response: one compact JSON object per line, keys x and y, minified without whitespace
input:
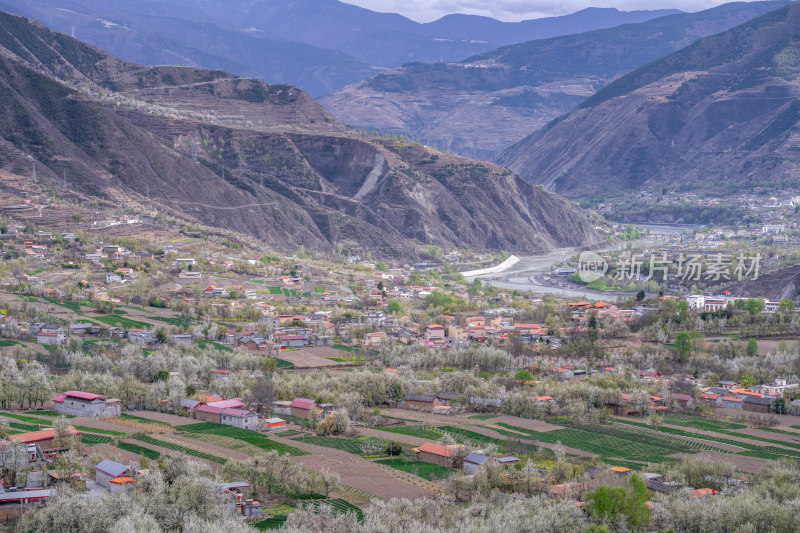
{"x":786,"y":305}
{"x":607,"y":504}
{"x":683,"y":343}
{"x":161,"y":335}
{"x":754,"y":306}
{"x":752,"y":347}
{"x":394,"y":307}
{"x":640,"y":296}
{"x":523,"y":375}
{"x":381,"y":267}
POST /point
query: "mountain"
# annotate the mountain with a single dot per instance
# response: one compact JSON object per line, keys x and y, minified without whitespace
{"x":718,"y":116}
{"x":486,"y":103}
{"x":161,"y":39}
{"x":319,"y":45}
{"x":263,"y":160}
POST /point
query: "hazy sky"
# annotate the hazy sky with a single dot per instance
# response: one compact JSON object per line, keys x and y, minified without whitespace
{"x":514,"y":10}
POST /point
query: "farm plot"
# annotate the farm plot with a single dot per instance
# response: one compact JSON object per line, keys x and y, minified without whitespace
{"x":630,"y":445}
{"x":251,"y":437}
{"x":346,"y":444}
{"x":424,"y":432}
{"x":701,"y":423}
{"x":422,"y":469}
{"x":182,"y":449}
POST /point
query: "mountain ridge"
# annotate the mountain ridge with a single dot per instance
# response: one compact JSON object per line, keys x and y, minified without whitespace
{"x":486,"y":103}
{"x":263,"y":160}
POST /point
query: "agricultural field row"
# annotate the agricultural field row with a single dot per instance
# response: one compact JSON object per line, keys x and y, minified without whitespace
{"x":89,"y":438}
{"x":139,"y":450}
{"x":182,"y":449}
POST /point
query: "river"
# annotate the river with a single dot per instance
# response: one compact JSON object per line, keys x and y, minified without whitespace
{"x":533,"y":272}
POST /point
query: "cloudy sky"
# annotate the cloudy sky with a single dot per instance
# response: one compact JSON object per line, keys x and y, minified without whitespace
{"x":514,"y":10}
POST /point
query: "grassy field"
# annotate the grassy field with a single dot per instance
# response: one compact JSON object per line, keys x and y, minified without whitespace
{"x":5,"y":343}
{"x":183,"y":322}
{"x":422,"y":469}
{"x":255,"y":438}
{"x":139,"y":450}
{"x":48,"y":414}
{"x":283,"y":363}
{"x":182,"y":449}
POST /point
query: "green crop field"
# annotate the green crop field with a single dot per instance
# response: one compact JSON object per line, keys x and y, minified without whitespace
{"x":5,"y":343}
{"x":25,"y":418}
{"x":23,"y":427}
{"x":251,"y":437}
{"x":346,"y":444}
{"x":422,"y":469}
{"x":423,"y":431}
{"x":183,"y":322}
{"x":75,"y":307}
{"x":126,"y":416}
{"x":139,"y":450}
{"x":89,"y":438}
{"x":275,"y":290}
{"x":275,"y":522}
{"x":611,"y":441}
{"x":122,"y":322}
{"x":484,"y":416}
{"x":701,"y":423}
{"x":182,"y":449}
{"x":283,"y":363}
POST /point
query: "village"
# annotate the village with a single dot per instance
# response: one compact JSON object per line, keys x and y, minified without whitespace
{"x":303,"y":385}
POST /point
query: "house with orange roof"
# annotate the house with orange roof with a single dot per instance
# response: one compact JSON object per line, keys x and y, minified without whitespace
{"x":440,"y":454}
{"x":434,"y":331}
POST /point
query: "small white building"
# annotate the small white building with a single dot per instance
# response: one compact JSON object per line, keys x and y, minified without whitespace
{"x":51,"y":339}
{"x":239,"y":418}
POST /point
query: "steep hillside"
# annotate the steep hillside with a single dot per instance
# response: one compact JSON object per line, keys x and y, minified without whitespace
{"x":318,"y":45}
{"x":486,"y":103}
{"x":260,"y":159}
{"x":717,"y":116}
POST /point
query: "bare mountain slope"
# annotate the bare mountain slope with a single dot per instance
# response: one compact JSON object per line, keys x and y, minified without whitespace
{"x":260,"y":159}
{"x":717,"y":116}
